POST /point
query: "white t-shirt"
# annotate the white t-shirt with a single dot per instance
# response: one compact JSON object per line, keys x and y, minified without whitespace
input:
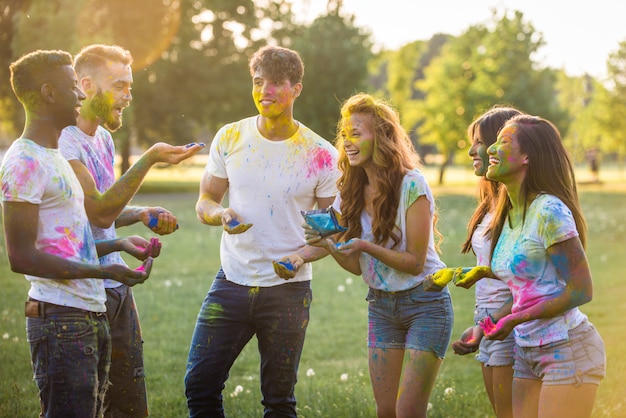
{"x":521,"y":260}
{"x":377,"y":274}
{"x":41,"y":176}
{"x":270,"y":182}
{"x":97,"y":153}
{"x":490,"y":293}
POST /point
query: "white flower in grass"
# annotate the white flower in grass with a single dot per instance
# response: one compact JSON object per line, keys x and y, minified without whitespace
{"x":167,"y":283}
{"x":16,"y":339}
{"x":448,"y":391}
{"x":343,"y":377}
{"x":5,"y":336}
{"x":341,"y":288}
{"x":310,"y":373}
{"x":237,"y":391}
{"x":429,"y":407}
{"x":349,"y":280}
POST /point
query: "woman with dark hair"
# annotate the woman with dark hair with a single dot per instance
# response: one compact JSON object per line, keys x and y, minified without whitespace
{"x":493,"y":296}
{"x":389,"y":212}
{"x":538,"y":250}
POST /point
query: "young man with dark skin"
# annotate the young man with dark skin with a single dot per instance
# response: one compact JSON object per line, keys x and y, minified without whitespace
{"x":48,"y":239}
{"x":273,"y":167}
{"x":105,"y":75}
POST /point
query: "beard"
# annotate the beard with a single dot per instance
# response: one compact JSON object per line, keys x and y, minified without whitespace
{"x":101,"y":105}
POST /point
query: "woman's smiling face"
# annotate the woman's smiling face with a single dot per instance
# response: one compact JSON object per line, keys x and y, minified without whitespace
{"x":478,"y":153}
{"x":358,"y":139}
{"x":507,"y":162}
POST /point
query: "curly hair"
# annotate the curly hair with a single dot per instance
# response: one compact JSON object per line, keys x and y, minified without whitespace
{"x":93,"y":57}
{"x":277,"y":64}
{"x":486,"y":127}
{"x":32,"y":70}
{"x":550,"y":171}
{"x":393,"y":156}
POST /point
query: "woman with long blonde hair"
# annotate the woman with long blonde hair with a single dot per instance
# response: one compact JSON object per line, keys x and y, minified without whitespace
{"x":388,"y":209}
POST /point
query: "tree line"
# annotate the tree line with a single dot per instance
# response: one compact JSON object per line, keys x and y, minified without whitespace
{"x":191,"y":71}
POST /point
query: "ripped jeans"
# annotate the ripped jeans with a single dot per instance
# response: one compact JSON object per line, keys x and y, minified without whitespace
{"x":70,"y":354}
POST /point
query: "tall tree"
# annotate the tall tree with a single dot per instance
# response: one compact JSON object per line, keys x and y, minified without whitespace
{"x":488,"y":64}
{"x":613,"y":113}
{"x":335,"y":54}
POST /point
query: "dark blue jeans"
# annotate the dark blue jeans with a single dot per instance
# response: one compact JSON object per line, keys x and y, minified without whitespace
{"x":230,"y":315}
{"x":70,"y":353}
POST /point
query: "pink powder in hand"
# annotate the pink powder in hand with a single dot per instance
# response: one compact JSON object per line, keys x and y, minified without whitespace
{"x":487,"y":325}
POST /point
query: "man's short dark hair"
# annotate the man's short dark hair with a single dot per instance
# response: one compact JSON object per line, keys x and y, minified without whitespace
{"x":277,"y":64}
{"x":33,"y":70}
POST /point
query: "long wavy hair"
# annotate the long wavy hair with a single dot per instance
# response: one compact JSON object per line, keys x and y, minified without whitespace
{"x":486,"y":127}
{"x":550,"y":171}
{"x":393,"y":156}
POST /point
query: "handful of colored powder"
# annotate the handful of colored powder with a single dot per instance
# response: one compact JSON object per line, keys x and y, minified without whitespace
{"x":487,"y":325}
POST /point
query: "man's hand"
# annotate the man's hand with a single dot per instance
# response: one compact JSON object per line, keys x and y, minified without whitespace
{"x":170,"y":154}
{"x":139,"y":247}
{"x":232,"y":222}
{"x":287,"y":267}
{"x":127,"y":276}
{"x":159,"y":220}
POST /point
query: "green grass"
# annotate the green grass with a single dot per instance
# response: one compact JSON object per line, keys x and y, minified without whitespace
{"x":335,"y":344}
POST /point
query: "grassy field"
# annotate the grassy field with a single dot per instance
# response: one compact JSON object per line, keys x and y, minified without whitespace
{"x":333,"y":377}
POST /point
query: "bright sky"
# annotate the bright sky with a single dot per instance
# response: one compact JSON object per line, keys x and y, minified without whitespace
{"x":579,"y":35}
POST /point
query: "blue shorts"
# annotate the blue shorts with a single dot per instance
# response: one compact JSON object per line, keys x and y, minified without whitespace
{"x":577,"y":360}
{"x":412,"y":319}
{"x":494,"y":353}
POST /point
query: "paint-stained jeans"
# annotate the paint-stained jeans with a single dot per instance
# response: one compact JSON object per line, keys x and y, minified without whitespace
{"x":127,"y":395}
{"x":70,"y":354}
{"x":230,"y":315}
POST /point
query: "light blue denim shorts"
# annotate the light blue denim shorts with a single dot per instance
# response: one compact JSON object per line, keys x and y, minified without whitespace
{"x":494,"y":353}
{"x":411,"y":319}
{"x":577,"y":360}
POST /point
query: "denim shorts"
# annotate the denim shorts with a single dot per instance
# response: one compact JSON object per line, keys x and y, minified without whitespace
{"x":494,"y":353}
{"x":411,"y":319}
{"x":577,"y":360}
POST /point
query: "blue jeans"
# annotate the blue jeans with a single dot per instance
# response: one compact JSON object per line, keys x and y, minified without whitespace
{"x":230,"y":315}
{"x":70,"y":354}
{"x":126,"y":397}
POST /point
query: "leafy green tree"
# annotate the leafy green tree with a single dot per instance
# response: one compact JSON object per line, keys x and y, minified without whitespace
{"x":11,"y":115}
{"x":405,"y":68}
{"x":582,"y":98}
{"x":336,"y":55}
{"x":613,"y":101}
{"x":487,"y":64}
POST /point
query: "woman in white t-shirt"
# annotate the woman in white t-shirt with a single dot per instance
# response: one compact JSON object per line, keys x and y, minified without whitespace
{"x":389,"y":211}
{"x":538,"y":251}
{"x":493,"y":296}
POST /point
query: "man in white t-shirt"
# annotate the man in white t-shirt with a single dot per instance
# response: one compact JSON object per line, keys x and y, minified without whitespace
{"x":48,"y":239}
{"x":104,"y":73}
{"x":273,"y":167}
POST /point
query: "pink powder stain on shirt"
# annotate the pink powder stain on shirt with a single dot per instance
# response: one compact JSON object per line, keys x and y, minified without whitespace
{"x":320,"y":160}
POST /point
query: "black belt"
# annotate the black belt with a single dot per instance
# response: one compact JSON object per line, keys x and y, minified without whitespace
{"x":37,"y":309}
